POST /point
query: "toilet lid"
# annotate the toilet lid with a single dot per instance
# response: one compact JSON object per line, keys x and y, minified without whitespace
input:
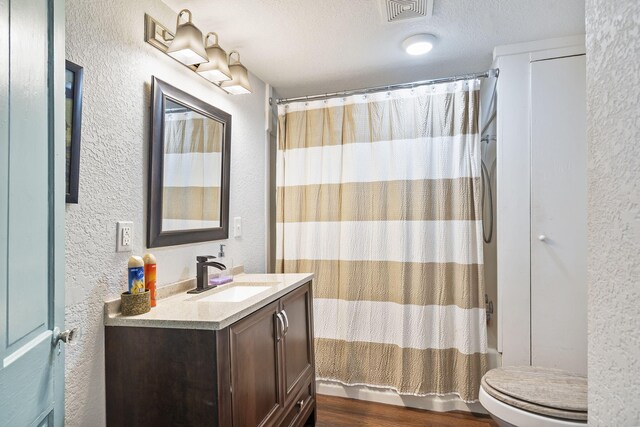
{"x":544,"y":391}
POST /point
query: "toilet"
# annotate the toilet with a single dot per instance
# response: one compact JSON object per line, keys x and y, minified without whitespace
{"x":529,"y":396}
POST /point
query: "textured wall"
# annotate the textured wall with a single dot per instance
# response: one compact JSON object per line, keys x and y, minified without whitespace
{"x":613,"y":117}
{"x":107,"y":39}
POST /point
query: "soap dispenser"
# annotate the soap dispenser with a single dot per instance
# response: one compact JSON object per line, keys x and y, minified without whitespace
{"x":224,"y":276}
{"x":222,"y":258}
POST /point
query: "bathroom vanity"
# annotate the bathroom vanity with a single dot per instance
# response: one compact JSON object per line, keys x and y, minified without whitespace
{"x":238,"y":355}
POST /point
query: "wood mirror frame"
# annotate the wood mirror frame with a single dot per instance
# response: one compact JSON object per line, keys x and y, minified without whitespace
{"x":156,"y":237}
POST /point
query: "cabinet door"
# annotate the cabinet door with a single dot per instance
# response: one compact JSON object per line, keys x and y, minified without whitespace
{"x":297,"y":341}
{"x":256,"y":396}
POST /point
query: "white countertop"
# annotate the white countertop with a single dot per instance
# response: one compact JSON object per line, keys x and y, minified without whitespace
{"x":187,"y":311}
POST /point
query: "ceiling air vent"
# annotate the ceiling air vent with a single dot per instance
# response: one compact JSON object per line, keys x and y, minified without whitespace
{"x":402,"y":10}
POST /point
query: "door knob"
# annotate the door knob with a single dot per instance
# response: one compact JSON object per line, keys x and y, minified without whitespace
{"x":542,"y":237}
{"x":70,"y":336}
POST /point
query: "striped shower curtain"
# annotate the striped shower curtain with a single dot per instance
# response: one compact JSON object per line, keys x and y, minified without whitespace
{"x":379,"y":196}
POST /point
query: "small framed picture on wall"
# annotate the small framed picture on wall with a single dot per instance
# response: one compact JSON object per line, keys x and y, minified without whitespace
{"x":73,"y":118}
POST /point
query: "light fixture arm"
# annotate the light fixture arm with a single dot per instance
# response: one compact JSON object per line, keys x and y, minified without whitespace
{"x":206,"y":39}
{"x":166,"y":35}
{"x":180,"y":15}
{"x":237,"y":53}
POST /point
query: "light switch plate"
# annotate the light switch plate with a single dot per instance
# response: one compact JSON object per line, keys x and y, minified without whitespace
{"x":237,"y":226}
{"x":124,"y":236}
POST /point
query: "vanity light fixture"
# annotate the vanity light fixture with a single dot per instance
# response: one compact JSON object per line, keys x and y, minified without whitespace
{"x":206,"y":58}
{"x":239,"y":83}
{"x":217,"y":69}
{"x":187,"y":46}
{"x":419,"y":44}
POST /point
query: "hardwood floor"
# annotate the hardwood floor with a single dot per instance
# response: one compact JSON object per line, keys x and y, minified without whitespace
{"x":340,"y":412}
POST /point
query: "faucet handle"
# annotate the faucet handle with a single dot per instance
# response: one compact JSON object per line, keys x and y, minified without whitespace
{"x":204,"y":258}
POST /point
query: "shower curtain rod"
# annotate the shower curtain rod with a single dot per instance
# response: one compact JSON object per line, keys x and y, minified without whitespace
{"x":493,"y":72}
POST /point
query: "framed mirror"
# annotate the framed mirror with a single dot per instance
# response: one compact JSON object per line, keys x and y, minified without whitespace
{"x":188,"y":197}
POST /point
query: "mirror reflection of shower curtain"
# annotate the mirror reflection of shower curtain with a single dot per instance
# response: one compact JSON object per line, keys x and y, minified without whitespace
{"x":379,"y":196}
{"x":192,"y":170}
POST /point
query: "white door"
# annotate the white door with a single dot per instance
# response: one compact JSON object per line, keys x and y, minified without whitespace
{"x":559,"y":214}
{"x":32,"y":195}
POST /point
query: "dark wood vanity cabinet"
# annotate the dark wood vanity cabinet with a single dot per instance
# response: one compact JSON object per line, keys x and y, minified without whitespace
{"x":255,"y":368}
{"x":257,"y":372}
{"x":272,"y":362}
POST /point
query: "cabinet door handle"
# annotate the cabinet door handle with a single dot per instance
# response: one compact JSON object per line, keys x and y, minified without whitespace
{"x":300,"y":404}
{"x":280,"y":327}
{"x":286,"y":322}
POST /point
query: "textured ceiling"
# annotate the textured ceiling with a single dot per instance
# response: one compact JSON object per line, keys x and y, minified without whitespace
{"x":305,"y":47}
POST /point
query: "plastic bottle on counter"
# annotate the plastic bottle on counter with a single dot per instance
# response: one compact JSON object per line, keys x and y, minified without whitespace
{"x":150,"y":276}
{"x":136,"y":275}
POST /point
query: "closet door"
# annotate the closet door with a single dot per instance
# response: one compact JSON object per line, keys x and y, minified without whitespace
{"x":559,"y":214}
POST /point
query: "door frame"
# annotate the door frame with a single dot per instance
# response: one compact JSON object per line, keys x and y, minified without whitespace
{"x":57,"y":185}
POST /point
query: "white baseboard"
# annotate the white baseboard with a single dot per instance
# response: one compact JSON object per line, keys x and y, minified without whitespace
{"x":431,"y":403}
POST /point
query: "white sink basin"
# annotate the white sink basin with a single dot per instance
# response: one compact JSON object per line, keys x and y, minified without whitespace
{"x":235,"y":294}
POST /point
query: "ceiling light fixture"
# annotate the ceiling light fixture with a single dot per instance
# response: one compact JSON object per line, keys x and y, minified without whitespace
{"x":217,"y":69}
{"x":187,"y":46}
{"x":239,"y":83}
{"x":419,"y":44}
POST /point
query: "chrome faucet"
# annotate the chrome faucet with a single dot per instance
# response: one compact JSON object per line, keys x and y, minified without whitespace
{"x":202,"y":270}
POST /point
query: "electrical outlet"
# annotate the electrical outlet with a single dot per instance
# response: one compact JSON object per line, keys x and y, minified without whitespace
{"x":237,"y":226}
{"x":124,"y":236}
